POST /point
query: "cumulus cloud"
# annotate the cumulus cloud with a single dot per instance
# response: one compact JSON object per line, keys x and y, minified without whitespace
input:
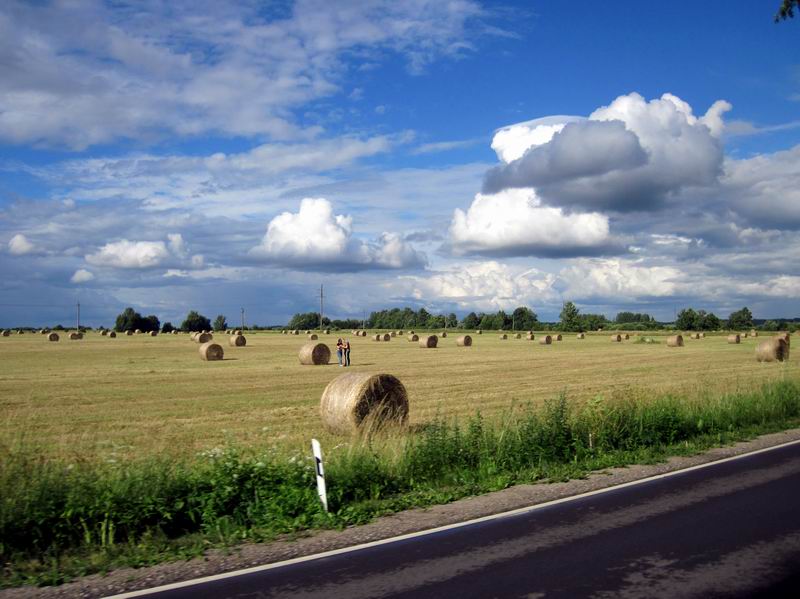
{"x":82,"y":276}
{"x":629,"y":155}
{"x":19,"y":245}
{"x":511,"y":143}
{"x":143,"y":254}
{"x":514,"y":223}
{"x":617,"y":278}
{"x":314,"y":237}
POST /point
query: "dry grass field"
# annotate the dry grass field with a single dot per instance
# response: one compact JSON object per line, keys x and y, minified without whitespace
{"x":114,"y":399}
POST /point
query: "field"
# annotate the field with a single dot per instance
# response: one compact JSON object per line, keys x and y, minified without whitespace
{"x":117,"y":399}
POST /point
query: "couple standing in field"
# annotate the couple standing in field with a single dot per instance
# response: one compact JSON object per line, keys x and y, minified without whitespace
{"x":343,"y":351}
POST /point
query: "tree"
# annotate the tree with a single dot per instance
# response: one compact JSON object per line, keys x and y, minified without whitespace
{"x":570,"y":320}
{"x":220,"y":324}
{"x":471,"y":321}
{"x":487,"y":322}
{"x":687,"y":320}
{"x":451,"y":320}
{"x":741,"y":319}
{"x":710,"y":322}
{"x":524,"y":319}
{"x":196,"y":322}
{"x":129,"y":320}
{"x":167,"y":327}
{"x":770,"y":325}
{"x":786,"y":10}
{"x":150,"y":323}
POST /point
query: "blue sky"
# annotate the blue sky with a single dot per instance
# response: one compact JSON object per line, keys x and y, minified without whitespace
{"x":453,"y":155}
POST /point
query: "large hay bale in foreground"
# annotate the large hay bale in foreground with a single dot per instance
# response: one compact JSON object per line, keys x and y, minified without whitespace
{"x":429,"y":341}
{"x":237,"y":340}
{"x":313,"y":337}
{"x":734,"y":338}
{"x":675,"y":341}
{"x":546,"y":340}
{"x":203,"y":337}
{"x":314,"y":354}
{"x":580,"y":336}
{"x":786,"y":337}
{"x":464,"y":341}
{"x":357,"y":398}
{"x":503,"y":336}
{"x":53,"y":337}
{"x":772,"y":350}
{"x":210,"y":351}
{"x":112,"y":334}
{"x":412,"y":337}
{"x":616,"y":338}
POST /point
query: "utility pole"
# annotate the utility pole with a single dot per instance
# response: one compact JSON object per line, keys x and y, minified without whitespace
{"x":364,"y":320}
{"x":321,"y":296}
{"x":78,"y":307}
{"x":242,"y":319}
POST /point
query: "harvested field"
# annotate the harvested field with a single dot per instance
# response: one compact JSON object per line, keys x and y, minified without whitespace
{"x":133,"y":396}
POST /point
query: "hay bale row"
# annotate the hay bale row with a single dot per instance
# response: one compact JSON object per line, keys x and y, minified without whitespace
{"x":464,"y":341}
{"x":772,"y":350}
{"x":675,"y":341}
{"x":211,"y":352}
{"x":429,"y":341}
{"x":358,"y":398}
{"x":314,"y":354}
{"x":237,"y":340}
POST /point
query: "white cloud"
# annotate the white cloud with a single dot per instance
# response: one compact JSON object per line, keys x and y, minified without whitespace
{"x":585,"y":164}
{"x":130,"y":254}
{"x":19,"y":245}
{"x":514,"y":222}
{"x":315,"y":237}
{"x":82,"y":276}
{"x":617,"y":279}
{"x":510,"y":143}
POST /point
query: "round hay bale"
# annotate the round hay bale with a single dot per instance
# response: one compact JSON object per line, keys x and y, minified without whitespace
{"x":786,"y":337}
{"x":314,"y":354}
{"x":327,"y":331}
{"x":546,"y":340}
{"x":557,"y":337}
{"x":479,"y":332}
{"x":503,"y":336}
{"x":153,"y":333}
{"x":174,"y":331}
{"x":518,"y":336}
{"x":386,"y":337}
{"x":694,"y":336}
{"x":296,"y":332}
{"x":363,"y":333}
{"x":203,"y":337}
{"x":6,"y":333}
{"x":675,"y":341}
{"x":112,"y":334}
{"x":353,"y":398}
{"x":429,"y":341}
{"x":443,"y":335}
{"x":412,"y":337}
{"x":772,"y":350}
{"x":754,"y":333}
{"x":20,"y":332}
{"x":530,"y":337}
{"x":237,"y":340}
{"x":393,"y":334}
{"x":138,"y":331}
{"x":311,"y":337}
{"x":702,"y":335}
{"x":377,"y":337}
{"x":616,"y":338}
{"x":75,"y":336}
{"x":129,"y":333}
{"x":411,"y":333}
{"x":53,"y":337}
{"x":744,"y":335}
{"x":103,"y":333}
{"x":464,"y":341}
{"x":210,"y":351}
{"x":626,"y":336}
{"x":236,"y":332}
{"x":400,"y":333}
{"x":308,"y":332}
{"x":580,"y":336}
{"x":734,"y":338}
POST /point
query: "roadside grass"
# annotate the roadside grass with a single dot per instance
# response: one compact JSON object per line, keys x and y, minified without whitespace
{"x":59,"y":520}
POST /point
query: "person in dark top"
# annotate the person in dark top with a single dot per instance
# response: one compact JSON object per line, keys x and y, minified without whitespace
{"x":347,"y":352}
{"x":339,"y":350}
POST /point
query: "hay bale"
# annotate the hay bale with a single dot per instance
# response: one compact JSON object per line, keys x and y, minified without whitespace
{"x":518,"y":336}
{"x":400,"y":333}
{"x":581,"y":336}
{"x":464,"y":341}
{"x":174,"y":331}
{"x":327,"y":331}
{"x":626,"y":336}
{"x":53,"y":337}
{"x":211,"y":352}
{"x":546,"y":340}
{"x":75,"y":336}
{"x":557,"y":337}
{"x":138,"y":331}
{"x":616,"y":338}
{"x":311,"y":337}
{"x":103,"y":333}
{"x":772,"y":350}
{"x":503,"y":336}
{"x":357,"y":398}
{"x":377,"y":337}
{"x":43,"y":331}
{"x":443,"y":334}
{"x":20,"y":332}
{"x":203,"y":337}
{"x":411,"y":333}
{"x":112,"y":334}
{"x":744,"y":335}
{"x":734,"y":338}
{"x":702,"y":335}
{"x":412,"y":337}
{"x":675,"y":341}
{"x":429,"y":341}
{"x":153,"y":333}
{"x":786,"y":337}
{"x":363,"y":333}
{"x":393,"y":334}
{"x":530,"y":337}
{"x":754,"y":333}
{"x":308,"y":332}
{"x":479,"y":332}
{"x":387,"y":337}
{"x":236,"y":332}
{"x":694,"y":336}
{"x":6,"y":333}
{"x":129,"y":333}
{"x":296,"y":332}
{"x":237,"y":340}
{"x":314,"y":354}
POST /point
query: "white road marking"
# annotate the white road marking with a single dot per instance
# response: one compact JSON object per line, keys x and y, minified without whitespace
{"x":422,"y":533}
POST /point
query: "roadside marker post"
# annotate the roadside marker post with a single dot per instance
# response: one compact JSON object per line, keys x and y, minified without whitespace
{"x":321,"y":490}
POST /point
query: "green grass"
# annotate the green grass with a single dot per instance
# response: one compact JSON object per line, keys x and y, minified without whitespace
{"x":61,"y":520}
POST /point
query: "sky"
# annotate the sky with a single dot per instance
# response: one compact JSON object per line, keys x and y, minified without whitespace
{"x":455,"y":155}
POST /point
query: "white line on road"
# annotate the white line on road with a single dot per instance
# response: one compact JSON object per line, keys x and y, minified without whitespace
{"x":421,"y":533}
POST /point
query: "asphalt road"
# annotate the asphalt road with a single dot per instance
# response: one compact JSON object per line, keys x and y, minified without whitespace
{"x":729,"y":530}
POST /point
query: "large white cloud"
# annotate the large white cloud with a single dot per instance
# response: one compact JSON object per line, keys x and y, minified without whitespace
{"x":314,"y":237}
{"x":19,"y":245}
{"x":598,"y":166}
{"x":514,"y":222}
{"x":143,"y":254}
{"x":618,"y":279}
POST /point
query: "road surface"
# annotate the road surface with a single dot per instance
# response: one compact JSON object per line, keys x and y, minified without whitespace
{"x":731,"y":529}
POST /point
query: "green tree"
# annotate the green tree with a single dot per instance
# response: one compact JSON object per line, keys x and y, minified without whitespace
{"x":129,"y":320}
{"x":452,"y":321}
{"x":167,"y":327}
{"x":770,"y":325}
{"x":710,"y":322}
{"x":741,"y":319}
{"x":310,"y":320}
{"x":786,"y":10}
{"x":196,"y":322}
{"x":220,"y":323}
{"x":487,"y":322}
{"x":570,"y":317}
{"x":687,"y":320}
{"x":471,"y":321}
{"x":150,"y":323}
{"x":524,"y":319}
